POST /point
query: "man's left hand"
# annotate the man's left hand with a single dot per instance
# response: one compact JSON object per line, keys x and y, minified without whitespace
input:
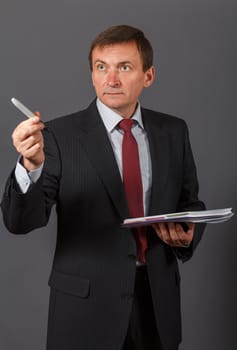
{"x":174,"y":234}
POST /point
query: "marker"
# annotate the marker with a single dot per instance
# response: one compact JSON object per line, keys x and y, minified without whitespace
{"x":23,"y":108}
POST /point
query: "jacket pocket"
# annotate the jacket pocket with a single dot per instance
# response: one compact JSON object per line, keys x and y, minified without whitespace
{"x":69,"y":284}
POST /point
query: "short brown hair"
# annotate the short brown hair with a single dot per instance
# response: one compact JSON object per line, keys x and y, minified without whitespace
{"x":124,"y":34}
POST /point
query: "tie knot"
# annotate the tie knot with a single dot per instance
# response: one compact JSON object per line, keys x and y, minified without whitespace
{"x":126,"y":125}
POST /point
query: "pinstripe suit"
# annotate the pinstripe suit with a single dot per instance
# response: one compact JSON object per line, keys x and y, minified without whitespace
{"x":92,"y":278}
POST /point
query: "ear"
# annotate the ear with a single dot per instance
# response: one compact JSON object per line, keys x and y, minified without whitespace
{"x":149,"y":76}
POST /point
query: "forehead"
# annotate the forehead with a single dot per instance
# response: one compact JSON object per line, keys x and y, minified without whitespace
{"x":121,"y":52}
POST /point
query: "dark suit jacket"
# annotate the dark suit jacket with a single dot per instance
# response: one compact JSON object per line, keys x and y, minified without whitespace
{"x":92,"y":279}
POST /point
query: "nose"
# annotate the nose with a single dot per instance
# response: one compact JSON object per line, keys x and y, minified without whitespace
{"x":113,"y":79}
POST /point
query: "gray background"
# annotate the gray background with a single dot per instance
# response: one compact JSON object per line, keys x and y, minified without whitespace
{"x":43,"y":51}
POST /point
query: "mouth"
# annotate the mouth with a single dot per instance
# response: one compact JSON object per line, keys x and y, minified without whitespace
{"x":113,"y":93}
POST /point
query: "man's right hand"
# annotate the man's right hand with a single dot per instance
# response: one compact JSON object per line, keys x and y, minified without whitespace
{"x":28,"y":141}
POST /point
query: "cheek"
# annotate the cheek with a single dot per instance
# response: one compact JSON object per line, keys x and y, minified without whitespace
{"x":96,"y":85}
{"x":94,"y":81}
{"x":135,"y":88}
{"x":136,"y":83}
{"x":98,"y":82}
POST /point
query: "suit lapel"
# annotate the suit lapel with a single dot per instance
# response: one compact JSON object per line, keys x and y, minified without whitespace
{"x":159,"y":152}
{"x":94,"y":139}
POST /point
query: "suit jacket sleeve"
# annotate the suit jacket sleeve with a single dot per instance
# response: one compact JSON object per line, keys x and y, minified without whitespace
{"x":24,"y":212}
{"x":189,"y":197}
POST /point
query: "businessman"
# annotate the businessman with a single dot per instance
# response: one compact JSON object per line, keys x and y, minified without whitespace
{"x":112,"y":288}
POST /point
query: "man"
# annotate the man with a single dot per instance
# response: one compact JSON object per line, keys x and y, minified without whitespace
{"x":112,"y":288}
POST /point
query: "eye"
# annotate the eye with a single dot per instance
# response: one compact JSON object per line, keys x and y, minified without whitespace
{"x":100,"y":67}
{"x":125,"y":68}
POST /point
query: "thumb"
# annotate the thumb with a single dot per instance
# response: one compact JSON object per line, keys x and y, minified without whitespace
{"x":37,"y":113}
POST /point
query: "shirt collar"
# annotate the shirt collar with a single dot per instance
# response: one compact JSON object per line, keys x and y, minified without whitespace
{"x":111,"y":119}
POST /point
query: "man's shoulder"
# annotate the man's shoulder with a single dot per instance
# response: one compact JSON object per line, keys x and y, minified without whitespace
{"x":162,"y":119}
{"x":64,"y":121}
{"x":69,"y":121}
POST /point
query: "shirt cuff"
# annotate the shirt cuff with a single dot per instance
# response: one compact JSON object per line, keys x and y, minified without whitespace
{"x":24,"y":178}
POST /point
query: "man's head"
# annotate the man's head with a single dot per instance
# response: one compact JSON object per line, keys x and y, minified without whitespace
{"x":121,"y":66}
{"x":124,"y":34}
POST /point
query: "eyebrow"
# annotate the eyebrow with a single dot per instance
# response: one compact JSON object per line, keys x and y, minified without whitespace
{"x":99,"y":61}
{"x":119,"y":63}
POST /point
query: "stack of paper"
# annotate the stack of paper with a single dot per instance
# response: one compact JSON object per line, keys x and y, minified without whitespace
{"x":204,"y":216}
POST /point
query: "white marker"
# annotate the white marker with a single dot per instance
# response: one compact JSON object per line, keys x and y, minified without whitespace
{"x":23,"y":108}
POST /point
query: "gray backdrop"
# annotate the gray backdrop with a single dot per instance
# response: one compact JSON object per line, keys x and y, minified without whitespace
{"x":43,"y":50}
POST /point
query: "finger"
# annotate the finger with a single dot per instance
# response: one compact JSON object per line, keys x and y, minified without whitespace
{"x":33,"y":152}
{"x":185,"y":237}
{"x":187,"y":232}
{"x":23,"y":131}
{"x":29,"y":142}
{"x":28,"y":127}
{"x":29,"y":121}
{"x":162,"y":232}
{"x":37,"y":113}
{"x":191,"y":227}
{"x":174,"y":238}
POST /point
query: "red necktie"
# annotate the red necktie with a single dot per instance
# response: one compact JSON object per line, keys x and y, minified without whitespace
{"x":132,"y":181}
